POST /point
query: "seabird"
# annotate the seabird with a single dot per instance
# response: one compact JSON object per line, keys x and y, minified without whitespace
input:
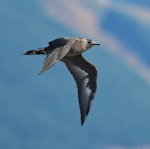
{"x":68,"y":50}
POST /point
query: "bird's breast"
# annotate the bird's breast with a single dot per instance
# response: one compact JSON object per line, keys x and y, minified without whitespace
{"x":76,"y":49}
{"x":73,"y":52}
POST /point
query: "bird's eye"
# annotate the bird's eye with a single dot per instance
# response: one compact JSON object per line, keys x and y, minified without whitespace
{"x":89,"y":42}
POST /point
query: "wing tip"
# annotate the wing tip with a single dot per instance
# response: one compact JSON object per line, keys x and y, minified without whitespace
{"x":82,"y":123}
{"x":83,"y":118}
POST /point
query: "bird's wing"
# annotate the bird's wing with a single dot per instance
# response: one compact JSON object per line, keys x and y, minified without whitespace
{"x":85,"y":75}
{"x":56,"y":54}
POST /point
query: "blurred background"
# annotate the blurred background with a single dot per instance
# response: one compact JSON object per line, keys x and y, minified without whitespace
{"x":42,"y":111}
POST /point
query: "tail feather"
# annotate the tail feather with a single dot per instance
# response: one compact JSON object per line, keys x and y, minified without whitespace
{"x":37,"y":51}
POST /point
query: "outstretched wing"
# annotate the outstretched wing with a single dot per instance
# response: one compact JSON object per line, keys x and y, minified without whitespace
{"x":56,"y":54}
{"x":85,"y":75}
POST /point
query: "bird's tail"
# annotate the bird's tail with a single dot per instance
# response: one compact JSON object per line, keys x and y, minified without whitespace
{"x":37,"y":51}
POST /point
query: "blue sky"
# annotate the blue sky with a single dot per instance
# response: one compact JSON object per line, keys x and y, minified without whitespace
{"x":42,"y":111}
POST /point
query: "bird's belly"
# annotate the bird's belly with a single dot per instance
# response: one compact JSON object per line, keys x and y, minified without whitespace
{"x":73,"y":52}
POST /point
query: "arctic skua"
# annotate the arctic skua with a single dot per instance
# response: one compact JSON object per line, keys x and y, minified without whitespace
{"x":69,"y":50}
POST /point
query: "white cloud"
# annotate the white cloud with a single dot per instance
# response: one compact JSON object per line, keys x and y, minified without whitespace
{"x":78,"y":17}
{"x":72,"y":14}
{"x":138,"y":12}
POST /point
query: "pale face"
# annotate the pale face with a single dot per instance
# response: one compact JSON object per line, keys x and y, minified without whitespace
{"x":91,"y":43}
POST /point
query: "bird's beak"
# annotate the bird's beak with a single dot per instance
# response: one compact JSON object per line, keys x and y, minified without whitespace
{"x":95,"y":43}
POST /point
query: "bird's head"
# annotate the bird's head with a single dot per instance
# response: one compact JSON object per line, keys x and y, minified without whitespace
{"x":91,"y":43}
{"x":88,"y":43}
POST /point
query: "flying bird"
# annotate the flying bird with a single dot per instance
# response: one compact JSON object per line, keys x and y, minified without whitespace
{"x":69,"y":50}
